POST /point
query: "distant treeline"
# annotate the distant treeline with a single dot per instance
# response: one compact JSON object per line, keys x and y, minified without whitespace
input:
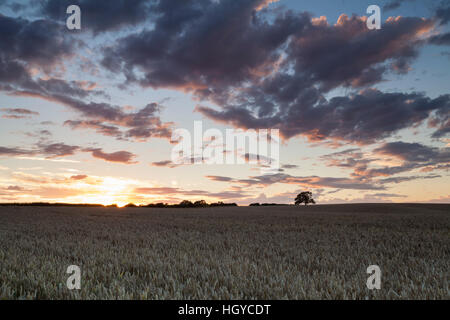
{"x":182,"y":204}
{"x":48,"y":204}
{"x":257,"y":204}
{"x":186,"y":204}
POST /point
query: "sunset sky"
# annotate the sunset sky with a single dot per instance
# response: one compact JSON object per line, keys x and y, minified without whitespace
{"x":87,"y":115}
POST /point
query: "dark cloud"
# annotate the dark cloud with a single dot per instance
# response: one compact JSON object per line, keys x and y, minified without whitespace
{"x":47,"y":123}
{"x":15,"y":188}
{"x":100,"y":15}
{"x":265,"y":70}
{"x":250,"y":47}
{"x":350,"y":158}
{"x":257,"y":158}
{"x":79,"y":177}
{"x":307,"y":182}
{"x":105,"y":118}
{"x":50,"y":150}
{"x":389,"y":195}
{"x":406,"y":179}
{"x":361,"y":118}
{"x":275,"y":73}
{"x":219,"y":178}
{"x":394,"y":4}
{"x":12,"y":5}
{"x":347,"y":53}
{"x":42,"y":135}
{"x":5,"y":151}
{"x":365,"y":175}
{"x":412,"y":155}
{"x":443,"y":12}
{"x":57,"y":150}
{"x":289,"y":166}
{"x":18,"y":113}
{"x":441,"y":39}
{"x":414,"y":152}
{"x":195,"y":45}
{"x":96,"y":125}
{"x":13,"y":116}
{"x":119,"y":156}
{"x":164,"y":163}
{"x":18,"y":40}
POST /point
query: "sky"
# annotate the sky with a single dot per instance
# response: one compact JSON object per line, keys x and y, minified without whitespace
{"x":88,"y":116}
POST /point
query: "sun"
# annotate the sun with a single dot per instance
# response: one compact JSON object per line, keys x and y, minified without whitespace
{"x":109,"y":191}
{"x":105,"y":200}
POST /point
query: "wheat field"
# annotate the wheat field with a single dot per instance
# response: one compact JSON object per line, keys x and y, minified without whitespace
{"x":280,"y":252}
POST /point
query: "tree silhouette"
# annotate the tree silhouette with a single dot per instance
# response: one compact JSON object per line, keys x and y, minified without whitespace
{"x":200,"y":203}
{"x":304,"y":197}
{"x":186,"y":204}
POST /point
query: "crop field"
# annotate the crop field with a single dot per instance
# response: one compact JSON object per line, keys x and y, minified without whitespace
{"x":280,"y":252}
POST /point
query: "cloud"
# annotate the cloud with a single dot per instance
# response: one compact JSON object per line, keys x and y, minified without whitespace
{"x":349,"y":158}
{"x":101,"y":16}
{"x":366,"y":173}
{"x":14,"y":6}
{"x":309,"y":181}
{"x":47,"y":123}
{"x":443,"y":12}
{"x":79,"y":177}
{"x":18,"y":39}
{"x":414,"y":152}
{"x":5,"y":151}
{"x":289,"y":166}
{"x":413,"y":156}
{"x":124,"y":157}
{"x":361,"y":118}
{"x":394,"y":4}
{"x":264,"y":64}
{"x":15,"y":188}
{"x":140,"y":125}
{"x":219,"y":178}
{"x":195,"y":58}
{"x":263,"y":73}
{"x":98,"y":126}
{"x":17,"y":59}
{"x":224,"y":195}
{"x":441,"y":39}
{"x":51,"y":150}
{"x":164,"y":163}
{"x":57,"y":150}
{"x":17,"y":113}
{"x":406,"y":179}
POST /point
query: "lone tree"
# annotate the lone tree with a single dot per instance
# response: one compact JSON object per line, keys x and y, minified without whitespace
{"x":200,"y":203}
{"x":304,"y":197}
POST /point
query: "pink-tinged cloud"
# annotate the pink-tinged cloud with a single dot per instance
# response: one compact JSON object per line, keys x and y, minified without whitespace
{"x":124,"y":157}
{"x":79,"y":177}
